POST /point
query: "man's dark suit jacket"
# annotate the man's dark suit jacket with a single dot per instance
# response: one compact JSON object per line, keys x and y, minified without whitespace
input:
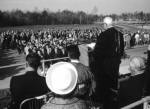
{"x":28,"y":85}
{"x":147,"y":76}
{"x":107,"y":55}
{"x":108,"y":42}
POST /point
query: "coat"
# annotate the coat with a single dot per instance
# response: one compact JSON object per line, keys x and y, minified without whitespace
{"x":26,"y":86}
{"x":108,"y":51}
{"x":68,"y":103}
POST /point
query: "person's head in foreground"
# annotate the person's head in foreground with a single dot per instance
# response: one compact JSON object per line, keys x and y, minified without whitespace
{"x":73,"y":52}
{"x":33,"y":61}
{"x":137,"y":65}
{"x":62,"y":79}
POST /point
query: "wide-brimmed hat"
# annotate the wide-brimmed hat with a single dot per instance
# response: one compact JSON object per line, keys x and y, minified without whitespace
{"x":62,"y":78}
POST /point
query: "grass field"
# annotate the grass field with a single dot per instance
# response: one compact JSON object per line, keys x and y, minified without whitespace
{"x":124,"y":27}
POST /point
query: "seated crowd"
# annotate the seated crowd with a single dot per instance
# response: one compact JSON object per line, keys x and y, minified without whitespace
{"x":48,"y":43}
{"x":51,"y":43}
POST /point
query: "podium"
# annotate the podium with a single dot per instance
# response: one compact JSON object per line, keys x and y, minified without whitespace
{"x":86,"y":53}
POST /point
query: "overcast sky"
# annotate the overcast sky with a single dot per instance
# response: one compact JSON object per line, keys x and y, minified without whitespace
{"x":103,"y":6}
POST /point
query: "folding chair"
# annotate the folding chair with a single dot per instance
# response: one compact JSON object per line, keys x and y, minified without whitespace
{"x":33,"y":103}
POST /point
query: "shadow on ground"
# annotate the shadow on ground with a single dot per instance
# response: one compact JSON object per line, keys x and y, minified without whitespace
{"x":9,"y":57}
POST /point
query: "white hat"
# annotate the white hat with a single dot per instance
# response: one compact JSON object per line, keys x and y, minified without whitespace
{"x":108,"y":20}
{"x":62,"y":78}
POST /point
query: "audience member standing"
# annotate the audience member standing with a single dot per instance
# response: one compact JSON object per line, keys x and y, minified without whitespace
{"x":28,"y":85}
{"x":108,"y":51}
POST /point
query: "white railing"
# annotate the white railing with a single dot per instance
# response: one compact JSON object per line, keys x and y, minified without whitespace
{"x":145,"y":101}
{"x":42,"y":61}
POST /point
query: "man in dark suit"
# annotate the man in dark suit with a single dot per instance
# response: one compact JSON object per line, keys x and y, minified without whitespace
{"x":28,"y":85}
{"x":107,"y":55}
{"x":86,"y":81}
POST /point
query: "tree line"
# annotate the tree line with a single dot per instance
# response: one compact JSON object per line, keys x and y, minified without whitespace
{"x":20,"y":18}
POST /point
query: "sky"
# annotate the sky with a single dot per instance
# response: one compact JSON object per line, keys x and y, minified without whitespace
{"x":88,"y":6}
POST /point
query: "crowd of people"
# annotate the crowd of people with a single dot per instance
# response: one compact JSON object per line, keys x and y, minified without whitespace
{"x":73,"y":85}
{"x":47,"y":43}
{"x":51,"y":43}
{"x":132,"y":39}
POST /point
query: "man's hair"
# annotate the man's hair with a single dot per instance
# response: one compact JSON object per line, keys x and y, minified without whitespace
{"x":73,"y":51}
{"x":33,"y":60}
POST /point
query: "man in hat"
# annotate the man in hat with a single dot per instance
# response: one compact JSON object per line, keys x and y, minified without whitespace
{"x":108,"y":51}
{"x":28,"y":85}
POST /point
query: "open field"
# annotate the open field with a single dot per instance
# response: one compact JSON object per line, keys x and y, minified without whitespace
{"x":53,"y":27}
{"x":131,"y":27}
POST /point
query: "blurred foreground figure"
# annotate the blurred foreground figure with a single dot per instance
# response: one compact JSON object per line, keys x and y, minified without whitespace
{"x":28,"y":85}
{"x":62,"y":80}
{"x":108,"y":51}
{"x":147,"y":75}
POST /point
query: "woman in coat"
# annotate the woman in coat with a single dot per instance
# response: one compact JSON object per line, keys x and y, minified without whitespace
{"x":62,"y":80}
